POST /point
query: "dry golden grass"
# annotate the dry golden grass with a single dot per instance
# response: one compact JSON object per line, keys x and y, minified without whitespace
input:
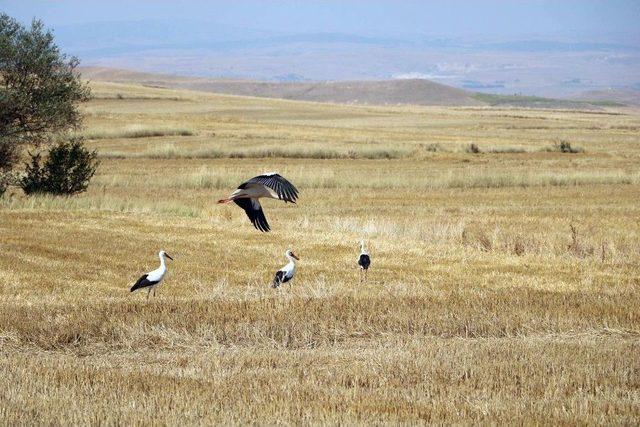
{"x":505,"y":290}
{"x":135,"y":131}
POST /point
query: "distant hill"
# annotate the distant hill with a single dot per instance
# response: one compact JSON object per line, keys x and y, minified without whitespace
{"x":630,"y":96}
{"x":383,"y":92}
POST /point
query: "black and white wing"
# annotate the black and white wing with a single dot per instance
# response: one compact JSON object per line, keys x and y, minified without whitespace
{"x":279,"y":279}
{"x":284,"y":189}
{"x":143,"y":282}
{"x":254,"y":212}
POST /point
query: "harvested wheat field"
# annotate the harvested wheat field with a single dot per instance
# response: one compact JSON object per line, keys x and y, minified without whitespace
{"x":504,"y":287}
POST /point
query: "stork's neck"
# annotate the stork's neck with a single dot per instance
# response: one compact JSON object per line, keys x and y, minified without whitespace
{"x":162,"y":262}
{"x":291,"y":259}
{"x":362,"y":249}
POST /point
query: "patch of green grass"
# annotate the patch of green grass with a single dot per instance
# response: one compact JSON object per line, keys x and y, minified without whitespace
{"x":494,"y":99}
{"x":607,"y":103}
{"x":538,"y":101}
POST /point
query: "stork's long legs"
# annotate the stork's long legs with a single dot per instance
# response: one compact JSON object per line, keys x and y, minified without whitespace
{"x":363,"y":275}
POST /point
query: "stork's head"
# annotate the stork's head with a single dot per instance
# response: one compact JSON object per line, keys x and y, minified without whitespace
{"x":289,"y":254}
{"x":164,"y":254}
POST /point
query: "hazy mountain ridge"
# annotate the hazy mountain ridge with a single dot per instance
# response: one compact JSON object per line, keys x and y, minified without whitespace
{"x":201,"y":34}
{"x":628,"y":95}
{"x":533,"y":65}
{"x":383,"y":92}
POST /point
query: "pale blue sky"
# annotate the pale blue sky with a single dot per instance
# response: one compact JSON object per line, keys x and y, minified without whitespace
{"x":540,"y":47}
{"x":586,"y":19}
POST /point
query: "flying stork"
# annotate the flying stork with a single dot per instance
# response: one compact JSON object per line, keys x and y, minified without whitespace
{"x":270,"y":185}
{"x":286,"y":273}
{"x":153,"y":278}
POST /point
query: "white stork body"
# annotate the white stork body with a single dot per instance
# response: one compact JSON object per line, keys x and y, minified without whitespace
{"x":254,"y":191}
{"x":286,"y":273}
{"x":248,"y":195}
{"x":153,"y":278}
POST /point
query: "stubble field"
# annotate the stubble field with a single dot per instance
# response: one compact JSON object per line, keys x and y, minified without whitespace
{"x":504,"y":287}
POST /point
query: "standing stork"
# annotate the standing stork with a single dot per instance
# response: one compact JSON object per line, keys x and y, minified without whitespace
{"x":364,"y":261}
{"x":286,"y":273}
{"x":153,"y":278}
{"x":248,"y":195}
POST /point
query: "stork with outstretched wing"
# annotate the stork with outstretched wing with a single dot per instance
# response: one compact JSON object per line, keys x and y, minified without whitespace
{"x":249,"y":193}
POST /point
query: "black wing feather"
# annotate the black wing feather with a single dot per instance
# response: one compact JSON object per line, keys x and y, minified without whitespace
{"x":364,"y":261}
{"x":256,"y":216}
{"x":279,"y":279}
{"x":284,"y":189}
{"x":142,"y":282}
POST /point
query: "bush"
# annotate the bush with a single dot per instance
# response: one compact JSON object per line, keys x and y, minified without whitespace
{"x":565,"y":147}
{"x":5,"y":181}
{"x":9,"y":154}
{"x":67,"y":170}
{"x":8,"y":157}
{"x":40,"y":91}
{"x":433,"y":148}
{"x":472,"y":148}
